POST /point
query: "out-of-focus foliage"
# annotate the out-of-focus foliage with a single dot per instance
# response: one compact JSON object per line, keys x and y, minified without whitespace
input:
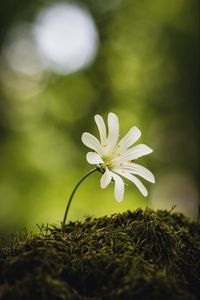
{"x":145,"y":70}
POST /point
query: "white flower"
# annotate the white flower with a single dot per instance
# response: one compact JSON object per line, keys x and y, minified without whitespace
{"x":115,"y":158}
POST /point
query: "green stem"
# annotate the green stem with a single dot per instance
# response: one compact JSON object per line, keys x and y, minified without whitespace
{"x":72,"y":195}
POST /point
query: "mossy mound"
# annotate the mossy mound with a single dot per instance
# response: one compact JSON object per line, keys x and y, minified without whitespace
{"x":133,"y":255}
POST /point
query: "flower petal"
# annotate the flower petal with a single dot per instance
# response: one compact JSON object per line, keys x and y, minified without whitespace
{"x":136,"y":152}
{"x":102,"y":129}
{"x":91,"y":142}
{"x":135,"y":180}
{"x":136,"y":169}
{"x":105,"y":179}
{"x":130,"y":138}
{"x":94,"y":158}
{"x":113,"y":134}
{"x":119,"y":187}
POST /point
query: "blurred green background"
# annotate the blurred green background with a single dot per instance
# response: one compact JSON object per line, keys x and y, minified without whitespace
{"x":63,"y":62}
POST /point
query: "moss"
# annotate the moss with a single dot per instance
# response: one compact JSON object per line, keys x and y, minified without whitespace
{"x":133,"y":255}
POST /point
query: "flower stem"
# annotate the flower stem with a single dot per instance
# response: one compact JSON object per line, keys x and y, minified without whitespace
{"x":72,"y":195}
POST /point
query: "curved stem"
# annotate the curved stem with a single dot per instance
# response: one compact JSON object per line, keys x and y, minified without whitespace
{"x":72,"y":195}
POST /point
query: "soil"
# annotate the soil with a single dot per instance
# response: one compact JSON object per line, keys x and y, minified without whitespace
{"x":138,"y":254}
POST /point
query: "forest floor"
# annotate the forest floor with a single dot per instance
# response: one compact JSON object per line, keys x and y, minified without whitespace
{"x":139,"y":254}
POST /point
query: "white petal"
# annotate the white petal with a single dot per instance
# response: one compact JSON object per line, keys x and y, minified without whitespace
{"x":102,"y":129}
{"x":94,"y":158}
{"x":92,"y":142}
{"x":136,"y":152}
{"x":105,"y":179}
{"x":113,"y":134}
{"x":130,"y":138}
{"x":135,"y":180}
{"x":136,"y":169}
{"x":119,"y":187}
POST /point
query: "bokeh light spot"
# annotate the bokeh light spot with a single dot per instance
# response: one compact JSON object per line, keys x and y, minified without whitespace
{"x":20,"y":52}
{"x":66,"y":36}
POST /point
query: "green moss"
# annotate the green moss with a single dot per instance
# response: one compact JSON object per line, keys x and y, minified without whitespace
{"x":133,"y":255}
